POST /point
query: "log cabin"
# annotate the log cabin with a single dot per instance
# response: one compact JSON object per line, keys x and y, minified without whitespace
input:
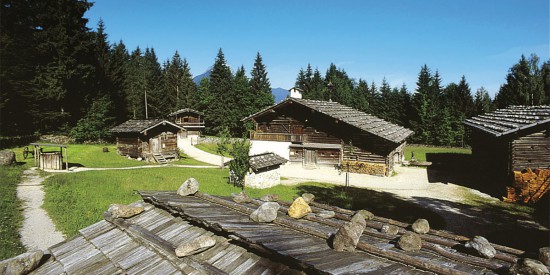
{"x":190,"y":120}
{"x":152,"y":140}
{"x":508,"y":141}
{"x":320,"y":133}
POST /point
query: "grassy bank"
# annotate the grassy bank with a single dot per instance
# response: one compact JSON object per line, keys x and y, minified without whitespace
{"x":11,"y":216}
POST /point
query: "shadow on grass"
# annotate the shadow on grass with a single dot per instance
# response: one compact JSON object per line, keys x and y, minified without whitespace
{"x":461,"y":170}
{"x":500,"y":223}
{"x":380,"y":203}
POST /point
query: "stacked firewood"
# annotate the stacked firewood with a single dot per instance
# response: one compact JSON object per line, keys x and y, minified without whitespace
{"x":362,"y":167}
{"x":529,"y":185}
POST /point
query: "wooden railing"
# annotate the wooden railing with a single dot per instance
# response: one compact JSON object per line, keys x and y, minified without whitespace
{"x":190,"y":124}
{"x":276,"y":137}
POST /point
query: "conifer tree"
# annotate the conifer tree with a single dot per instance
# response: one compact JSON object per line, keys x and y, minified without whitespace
{"x":244,"y":98}
{"x":136,"y":88}
{"x":482,"y":102}
{"x":220,"y":100}
{"x":260,"y":87}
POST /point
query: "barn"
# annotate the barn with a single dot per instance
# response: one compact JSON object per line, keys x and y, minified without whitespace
{"x":324,"y":133}
{"x":152,"y":140}
{"x":511,"y":140}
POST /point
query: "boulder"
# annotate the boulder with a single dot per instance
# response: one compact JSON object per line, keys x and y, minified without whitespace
{"x":421,"y":226}
{"x":366,"y":214}
{"x":125,"y":211}
{"x":389,"y":229}
{"x":347,"y":236}
{"x":308,"y":197}
{"x":189,"y":187}
{"x":299,"y":208}
{"x":241,"y":197}
{"x":528,"y":267}
{"x":22,"y":264}
{"x":7,"y":157}
{"x":544,"y":255}
{"x":195,"y":246}
{"x":481,"y":247}
{"x":410,"y":241}
{"x":326,"y":214}
{"x":270,"y":197}
{"x":267,"y":212}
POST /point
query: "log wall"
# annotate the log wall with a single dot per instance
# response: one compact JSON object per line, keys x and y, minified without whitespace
{"x":129,"y":146}
{"x":529,"y":185}
{"x":531,"y":151}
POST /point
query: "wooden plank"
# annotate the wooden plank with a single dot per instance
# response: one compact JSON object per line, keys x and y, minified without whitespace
{"x":96,"y":229}
{"x":229,"y":258}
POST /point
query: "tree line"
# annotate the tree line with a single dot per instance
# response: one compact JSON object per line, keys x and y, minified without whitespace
{"x":433,"y":111}
{"x":59,"y":76}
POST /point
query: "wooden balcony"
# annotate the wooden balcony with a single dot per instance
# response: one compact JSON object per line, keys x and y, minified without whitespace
{"x":191,"y":124}
{"x":276,"y":137}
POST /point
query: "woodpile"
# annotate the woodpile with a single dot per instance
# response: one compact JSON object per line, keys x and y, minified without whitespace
{"x":362,"y":167}
{"x":529,"y":185}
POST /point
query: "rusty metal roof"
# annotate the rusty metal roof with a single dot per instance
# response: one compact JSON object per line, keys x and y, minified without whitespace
{"x":510,"y":120}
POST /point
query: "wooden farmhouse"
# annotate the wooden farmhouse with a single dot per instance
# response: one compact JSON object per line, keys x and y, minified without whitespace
{"x":190,"y":120}
{"x":204,"y":234}
{"x":508,"y":141}
{"x":152,"y":140}
{"x":320,"y":133}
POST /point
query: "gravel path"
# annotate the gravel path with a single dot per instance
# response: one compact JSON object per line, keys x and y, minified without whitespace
{"x":201,"y":155}
{"x":38,"y":230}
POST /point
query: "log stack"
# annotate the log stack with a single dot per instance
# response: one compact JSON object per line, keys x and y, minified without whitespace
{"x":529,"y":185}
{"x":362,"y":167}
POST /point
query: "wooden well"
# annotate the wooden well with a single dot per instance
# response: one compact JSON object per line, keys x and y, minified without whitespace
{"x":51,"y":160}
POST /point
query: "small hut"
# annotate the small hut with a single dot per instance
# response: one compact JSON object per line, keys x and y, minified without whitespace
{"x":264,"y":170}
{"x":152,"y":140}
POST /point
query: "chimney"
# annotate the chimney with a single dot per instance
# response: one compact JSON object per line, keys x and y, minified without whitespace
{"x":295,"y":92}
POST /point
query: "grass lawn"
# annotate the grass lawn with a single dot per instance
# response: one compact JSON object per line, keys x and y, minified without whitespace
{"x":11,"y":216}
{"x":186,"y":160}
{"x":210,"y":148}
{"x":92,"y":155}
{"x":77,"y":200}
{"x":421,"y":151}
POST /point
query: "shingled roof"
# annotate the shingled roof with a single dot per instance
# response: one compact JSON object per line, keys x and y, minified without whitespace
{"x":140,"y":126}
{"x":265,"y":160}
{"x":146,"y":242}
{"x":351,"y":116}
{"x":185,"y":110}
{"x":510,"y":120}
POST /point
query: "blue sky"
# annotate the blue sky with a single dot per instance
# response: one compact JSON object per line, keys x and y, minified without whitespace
{"x":480,"y":39}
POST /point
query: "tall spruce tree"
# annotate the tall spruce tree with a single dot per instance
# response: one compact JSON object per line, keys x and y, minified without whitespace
{"x":136,"y":88}
{"x":482,"y":102}
{"x":157,"y":101}
{"x":259,"y":86}
{"x":245,"y":100}
{"x":220,"y":99}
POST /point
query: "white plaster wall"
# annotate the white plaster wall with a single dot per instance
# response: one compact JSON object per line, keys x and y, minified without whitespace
{"x":278,"y":147}
{"x":264,"y":179}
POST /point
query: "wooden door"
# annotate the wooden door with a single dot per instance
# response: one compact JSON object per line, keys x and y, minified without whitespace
{"x":310,"y":157}
{"x":155,"y":145}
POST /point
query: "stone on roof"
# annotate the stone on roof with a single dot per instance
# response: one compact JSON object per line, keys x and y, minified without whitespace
{"x":265,"y":160}
{"x":146,"y":243}
{"x":139,"y":126}
{"x":185,"y":110}
{"x":510,"y":120}
{"x":360,"y":120}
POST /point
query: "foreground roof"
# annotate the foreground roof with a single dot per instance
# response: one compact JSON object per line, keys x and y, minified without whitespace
{"x":146,"y":242}
{"x":140,"y":126}
{"x":185,"y":110}
{"x":360,"y":120}
{"x":510,"y":120}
